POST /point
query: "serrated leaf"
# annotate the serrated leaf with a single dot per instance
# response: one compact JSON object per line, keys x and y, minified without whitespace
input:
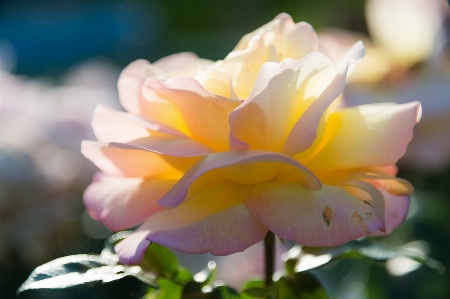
{"x":81,"y":272}
{"x":160,"y":260}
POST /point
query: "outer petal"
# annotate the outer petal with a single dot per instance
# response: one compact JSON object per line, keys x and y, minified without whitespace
{"x":129,"y":86}
{"x":222,"y":160}
{"x":363,"y":136}
{"x":328,"y":217}
{"x":151,"y":157}
{"x":122,"y":203}
{"x":185,"y":105}
{"x":131,"y":250}
{"x":184,"y":64}
{"x":112,"y":125}
{"x":396,"y":211}
{"x":214,"y":220}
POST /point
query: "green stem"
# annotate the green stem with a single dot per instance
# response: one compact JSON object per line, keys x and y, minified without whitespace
{"x":269,"y":250}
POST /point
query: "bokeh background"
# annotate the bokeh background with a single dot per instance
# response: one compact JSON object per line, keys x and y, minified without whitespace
{"x":59,"y":59}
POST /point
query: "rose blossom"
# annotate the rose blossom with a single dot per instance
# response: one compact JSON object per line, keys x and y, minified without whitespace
{"x":204,"y":172}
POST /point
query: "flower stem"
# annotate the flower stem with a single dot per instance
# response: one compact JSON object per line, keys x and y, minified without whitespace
{"x":269,"y":250}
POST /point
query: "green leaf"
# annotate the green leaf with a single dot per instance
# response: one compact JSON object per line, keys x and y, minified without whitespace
{"x":81,"y":272}
{"x":184,"y":275}
{"x":160,"y":260}
{"x":306,"y":258}
{"x":299,"y":286}
{"x":167,"y":290}
{"x":224,"y":292}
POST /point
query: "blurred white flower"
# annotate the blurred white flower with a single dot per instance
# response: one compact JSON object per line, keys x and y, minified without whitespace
{"x":42,"y":171}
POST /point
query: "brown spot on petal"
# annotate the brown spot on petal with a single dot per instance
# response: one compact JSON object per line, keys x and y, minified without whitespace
{"x":327,"y":215}
{"x":369,"y":214}
{"x":360,"y":221}
{"x":367,"y":202}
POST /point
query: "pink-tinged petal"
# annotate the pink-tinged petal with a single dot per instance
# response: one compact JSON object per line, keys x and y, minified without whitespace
{"x":384,"y":177}
{"x":328,"y":217}
{"x":151,"y":157}
{"x":377,"y":200}
{"x":232,"y":159}
{"x":129,"y":86}
{"x":396,"y":211}
{"x":304,"y":131}
{"x":213,"y":220}
{"x":131,"y":250}
{"x":185,"y":105}
{"x":229,"y":231}
{"x":110,"y":125}
{"x":363,"y":136}
{"x":117,"y":126}
{"x":122,"y":203}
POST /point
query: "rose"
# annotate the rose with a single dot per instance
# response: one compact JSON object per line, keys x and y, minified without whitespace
{"x":203,"y":172}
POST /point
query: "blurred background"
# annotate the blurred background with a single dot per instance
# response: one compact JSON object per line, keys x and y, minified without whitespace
{"x":59,"y":59}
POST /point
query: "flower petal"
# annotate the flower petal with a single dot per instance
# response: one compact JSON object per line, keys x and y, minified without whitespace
{"x":129,"y":86}
{"x":396,"y":211}
{"x":363,"y":136}
{"x":131,"y":250}
{"x":214,"y":220}
{"x":377,"y":200}
{"x":298,"y":40}
{"x":185,"y":105}
{"x":117,"y":126}
{"x":225,"y":159}
{"x":229,"y":231}
{"x":184,"y":64}
{"x":328,"y":217}
{"x":304,"y":131}
{"x":151,"y":157}
{"x":122,"y":203}
{"x":287,"y":102}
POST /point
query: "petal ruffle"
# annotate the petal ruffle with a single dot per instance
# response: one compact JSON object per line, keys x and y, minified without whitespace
{"x":184,"y":104}
{"x":226,"y":159}
{"x":122,"y":203}
{"x":363,"y":136}
{"x":328,"y":217}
